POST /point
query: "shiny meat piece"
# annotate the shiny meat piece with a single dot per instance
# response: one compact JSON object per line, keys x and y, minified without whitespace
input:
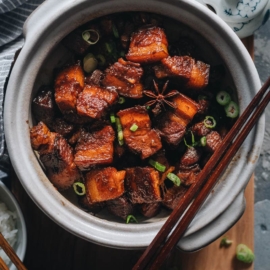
{"x":203,"y":106}
{"x":59,"y":125}
{"x":213,"y":140}
{"x":173,"y":195}
{"x":199,"y":129}
{"x":191,"y":156}
{"x":94,"y":78}
{"x":120,"y":207}
{"x":171,"y":128}
{"x":43,"y":105}
{"x":95,"y":148}
{"x":142,"y":185}
{"x":125,"y":77}
{"x":179,"y":67}
{"x":148,"y":45}
{"x":185,"y":107}
{"x":144,"y":141}
{"x":104,"y":184}
{"x":188,"y":174}
{"x":91,"y":207}
{"x":150,"y":209}
{"x":68,"y":84}
{"x":199,"y":76}
{"x":94,"y":101}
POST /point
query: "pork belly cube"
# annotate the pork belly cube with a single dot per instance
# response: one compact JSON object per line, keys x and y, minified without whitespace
{"x":144,"y":141}
{"x":188,"y":174}
{"x":95,"y":148}
{"x":199,"y":76}
{"x":200,"y":129}
{"x":142,"y":185}
{"x":120,"y":207}
{"x":191,"y":156}
{"x":171,"y":128}
{"x":68,"y":84}
{"x":173,"y":195}
{"x":185,"y":107}
{"x":94,"y":101}
{"x":179,"y":67}
{"x":43,"y":105}
{"x":148,"y":45}
{"x":89,"y":206}
{"x":59,"y":125}
{"x":104,"y":184}
{"x":213,"y":140}
{"x":124,"y":76}
{"x":150,"y":209}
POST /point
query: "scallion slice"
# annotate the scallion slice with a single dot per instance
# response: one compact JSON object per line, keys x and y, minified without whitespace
{"x":112,"y":118}
{"x":244,"y":254}
{"x":91,"y":36}
{"x":157,"y":165}
{"x":134,"y":127}
{"x":120,"y":135}
{"x":231,"y":109}
{"x":101,"y":59}
{"x":89,"y":63}
{"x":223,"y":98}
{"x":121,"y":100}
{"x":131,"y":218}
{"x":174,"y":178}
{"x":212,"y":119}
{"x":79,"y":188}
{"x":203,"y":141}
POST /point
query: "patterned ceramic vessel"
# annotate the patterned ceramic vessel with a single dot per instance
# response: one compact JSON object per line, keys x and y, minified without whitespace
{"x":42,"y":50}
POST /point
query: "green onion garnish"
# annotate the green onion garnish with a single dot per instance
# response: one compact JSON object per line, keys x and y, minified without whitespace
{"x":244,"y":254}
{"x":213,"y":121}
{"x":134,"y":127}
{"x":121,"y":100}
{"x":157,"y":165}
{"x":91,"y":36}
{"x":79,"y":188}
{"x":223,"y":98}
{"x":89,"y":63}
{"x":112,"y":117}
{"x":231,"y":109}
{"x":108,"y":47}
{"x":174,"y":178}
{"x":203,"y":141}
{"x":193,"y":143}
{"x":120,"y":135}
{"x":101,"y":59}
{"x":115,"y":31}
{"x":225,"y":242}
{"x":131,"y":218}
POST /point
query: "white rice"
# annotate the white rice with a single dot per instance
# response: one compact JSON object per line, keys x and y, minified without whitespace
{"x":7,"y":228}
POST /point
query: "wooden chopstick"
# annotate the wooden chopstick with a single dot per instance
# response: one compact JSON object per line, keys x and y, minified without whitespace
{"x":11,"y":253}
{"x":154,"y":248}
{"x":3,"y":265}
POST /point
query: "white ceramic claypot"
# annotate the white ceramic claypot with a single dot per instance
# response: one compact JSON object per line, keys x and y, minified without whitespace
{"x":44,"y":31}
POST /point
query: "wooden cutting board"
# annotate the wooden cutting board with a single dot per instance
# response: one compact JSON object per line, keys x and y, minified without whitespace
{"x":51,"y":247}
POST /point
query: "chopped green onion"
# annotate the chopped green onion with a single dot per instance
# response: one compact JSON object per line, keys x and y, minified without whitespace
{"x":157,"y":165}
{"x":79,"y":188}
{"x":101,"y":59}
{"x":174,"y":178}
{"x":89,"y":63}
{"x":120,"y":135}
{"x":231,"y":109}
{"x":193,"y":143}
{"x":244,"y":254}
{"x":121,"y":100}
{"x":115,"y":31}
{"x":108,"y":47}
{"x":134,"y":127}
{"x":223,"y":98}
{"x":131,"y":218}
{"x":112,"y":117}
{"x":212,"y":119}
{"x":148,"y":107}
{"x":118,"y":124}
{"x":203,"y":141}
{"x":225,"y":242}
{"x":86,"y":35}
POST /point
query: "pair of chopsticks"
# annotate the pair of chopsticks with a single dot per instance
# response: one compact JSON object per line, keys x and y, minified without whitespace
{"x":173,"y":229}
{"x":11,"y":254}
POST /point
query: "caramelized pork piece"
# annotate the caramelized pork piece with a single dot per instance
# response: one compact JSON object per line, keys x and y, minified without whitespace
{"x":203,"y":106}
{"x":213,"y":140}
{"x":56,"y":155}
{"x":150,"y":210}
{"x":185,"y":107}
{"x":188,"y":174}
{"x":68,"y":84}
{"x":104,"y":184}
{"x":171,"y":128}
{"x":120,"y":207}
{"x":200,"y":129}
{"x":148,"y":45}
{"x":94,"y":78}
{"x":94,"y":101}
{"x":143,"y":141}
{"x":95,"y":148}
{"x":125,"y":77}
{"x":59,"y":125}
{"x":142,"y":185}
{"x":43,"y":105}
{"x":191,"y":156}
{"x":89,"y":206}
{"x":173,"y":195}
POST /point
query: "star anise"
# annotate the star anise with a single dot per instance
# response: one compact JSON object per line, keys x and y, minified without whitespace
{"x":159,"y":98}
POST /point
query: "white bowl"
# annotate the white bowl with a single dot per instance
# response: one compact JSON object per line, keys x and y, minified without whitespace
{"x":44,"y":30}
{"x":11,"y":203}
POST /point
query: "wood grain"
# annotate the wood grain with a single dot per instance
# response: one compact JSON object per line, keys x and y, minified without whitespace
{"x":51,"y":247}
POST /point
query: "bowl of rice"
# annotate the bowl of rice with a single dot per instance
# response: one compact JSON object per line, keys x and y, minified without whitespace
{"x":12,"y":225}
